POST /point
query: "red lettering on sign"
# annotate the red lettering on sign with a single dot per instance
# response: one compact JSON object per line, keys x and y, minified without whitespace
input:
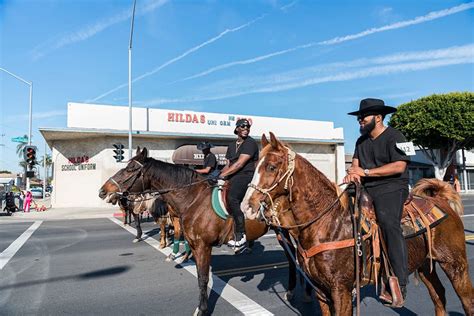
{"x":186,"y":118}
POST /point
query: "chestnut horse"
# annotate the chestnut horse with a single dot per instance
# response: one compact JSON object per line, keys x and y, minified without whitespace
{"x":282,"y":173}
{"x":189,"y":194}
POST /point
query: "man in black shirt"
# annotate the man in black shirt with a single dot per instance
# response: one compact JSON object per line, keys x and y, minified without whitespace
{"x":210,"y":161}
{"x":241,"y":158}
{"x":381,"y":167}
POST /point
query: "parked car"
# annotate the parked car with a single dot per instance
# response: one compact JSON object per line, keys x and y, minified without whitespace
{"x":37,"y":193}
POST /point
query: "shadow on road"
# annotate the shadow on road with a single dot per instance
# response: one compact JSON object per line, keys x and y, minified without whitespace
{"x":79,"y":277}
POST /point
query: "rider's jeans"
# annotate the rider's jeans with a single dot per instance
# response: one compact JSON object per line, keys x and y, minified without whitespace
{"x":238,"y":187}
{"x":389,"y":208}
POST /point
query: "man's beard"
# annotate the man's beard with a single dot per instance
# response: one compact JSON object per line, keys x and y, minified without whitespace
{"x":368,"y":127}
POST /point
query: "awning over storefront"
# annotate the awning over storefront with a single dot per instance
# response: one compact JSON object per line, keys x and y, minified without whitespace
{"x":190,"y":155}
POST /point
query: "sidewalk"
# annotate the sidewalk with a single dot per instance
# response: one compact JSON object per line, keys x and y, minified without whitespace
{"x":62,"y":214}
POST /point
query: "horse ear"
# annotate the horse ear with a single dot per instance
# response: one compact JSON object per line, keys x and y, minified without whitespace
{"x":138,"y":151}
{"x":145,"y":152}
{"x":274,"y":141}
{"x":264,"y":140}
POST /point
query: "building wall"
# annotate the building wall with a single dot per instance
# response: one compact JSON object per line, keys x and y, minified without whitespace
{"x":81,"y":167}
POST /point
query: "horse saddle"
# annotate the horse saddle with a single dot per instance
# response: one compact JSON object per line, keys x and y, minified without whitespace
{"x":219,"y":200}
{"x":419,"y":213}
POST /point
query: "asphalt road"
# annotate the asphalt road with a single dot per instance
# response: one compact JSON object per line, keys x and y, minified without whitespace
{"x":91,"y":267}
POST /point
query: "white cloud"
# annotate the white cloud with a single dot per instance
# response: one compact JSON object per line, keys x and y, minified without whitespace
{"x":36,"y":116}
{"x":336,"y":40}
{"x":394,"y":64}
{"x":92,"y":29}
{"x":175,"y":59}
{"x":421,"y":19}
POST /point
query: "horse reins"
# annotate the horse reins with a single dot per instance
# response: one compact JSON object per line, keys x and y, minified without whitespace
{"x":288,"y":177}
{"x":143,"y":192}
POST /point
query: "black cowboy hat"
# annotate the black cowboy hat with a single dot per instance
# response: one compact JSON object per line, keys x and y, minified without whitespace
{"x":241,"y":122}
{"x":373,"y":106}
{"x":204,"y":145}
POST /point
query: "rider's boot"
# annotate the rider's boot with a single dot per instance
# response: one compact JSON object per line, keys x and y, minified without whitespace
{"x":239,"y":243}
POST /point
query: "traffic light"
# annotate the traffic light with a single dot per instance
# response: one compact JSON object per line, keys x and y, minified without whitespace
{"x":118,"y":152}
{"x":29,"y":154}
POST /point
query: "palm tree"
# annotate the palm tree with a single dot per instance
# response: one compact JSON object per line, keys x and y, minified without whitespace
{"x":24,"y":165}
{"x":49,"y":162}
{"x":20,"y":147}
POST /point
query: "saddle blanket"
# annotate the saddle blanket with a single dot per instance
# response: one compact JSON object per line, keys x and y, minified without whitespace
{"x":418,"y":213}
{"x":218,"y":202}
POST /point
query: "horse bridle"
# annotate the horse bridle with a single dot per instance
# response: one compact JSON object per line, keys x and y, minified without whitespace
{"x":287,"y":177}
{"x":134,"y":176}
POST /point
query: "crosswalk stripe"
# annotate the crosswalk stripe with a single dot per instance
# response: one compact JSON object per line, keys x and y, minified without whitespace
{"x":8,"y":253}
{"x":237,"y":299}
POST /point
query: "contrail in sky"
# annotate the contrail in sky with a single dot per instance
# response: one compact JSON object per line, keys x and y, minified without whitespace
{"x":186,"y":53}
{"x":336,"y":40}
{"x":91,"y":30}
{"x":385,"y":65}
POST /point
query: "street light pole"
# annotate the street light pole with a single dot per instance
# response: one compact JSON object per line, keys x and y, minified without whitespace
{"x":130,"y":84}
{"x":30,"y":118}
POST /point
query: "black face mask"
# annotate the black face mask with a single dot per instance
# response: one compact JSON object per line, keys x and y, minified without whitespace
{"x":368,"y":127}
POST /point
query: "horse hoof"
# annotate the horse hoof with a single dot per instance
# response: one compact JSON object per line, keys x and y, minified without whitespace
{"x":198,"y":312}
{"x":289,"y":295}
{"x":137,"y":240}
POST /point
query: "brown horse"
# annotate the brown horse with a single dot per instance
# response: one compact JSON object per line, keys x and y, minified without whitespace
{"x":189,"y":194}
{"x":282,"y":173}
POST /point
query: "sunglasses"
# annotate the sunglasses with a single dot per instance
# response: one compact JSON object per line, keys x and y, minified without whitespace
{"x":244,"y":126}
{"x":361,"y":117}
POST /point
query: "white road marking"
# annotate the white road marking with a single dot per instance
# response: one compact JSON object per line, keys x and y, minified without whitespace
{"x":468,"y":215}
{"x":237,"y":299}
{"x":8,"y":253}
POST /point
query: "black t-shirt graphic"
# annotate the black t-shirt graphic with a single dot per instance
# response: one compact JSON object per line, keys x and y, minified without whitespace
{"x":210,"y":161}
{"x":380,"y":151}
{"x":248,"y":147}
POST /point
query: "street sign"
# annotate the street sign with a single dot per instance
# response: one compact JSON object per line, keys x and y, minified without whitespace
{"x":20,"y":139}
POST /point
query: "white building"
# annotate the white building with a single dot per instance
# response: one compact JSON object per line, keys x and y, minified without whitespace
{"x":83,"y":157}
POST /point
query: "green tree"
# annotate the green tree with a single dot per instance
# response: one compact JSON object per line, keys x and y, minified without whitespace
{"x":49,"y":162}
{"x":20,"y":147}
{"x":439,"y":124}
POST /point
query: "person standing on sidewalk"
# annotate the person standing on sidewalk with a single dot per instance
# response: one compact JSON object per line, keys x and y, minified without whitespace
{"x":28,"y":199}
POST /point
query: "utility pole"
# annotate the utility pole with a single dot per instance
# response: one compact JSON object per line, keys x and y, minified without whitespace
{"x":130,"y":84}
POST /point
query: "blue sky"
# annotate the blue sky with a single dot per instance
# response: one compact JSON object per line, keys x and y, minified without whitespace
{"x":296,"y":59}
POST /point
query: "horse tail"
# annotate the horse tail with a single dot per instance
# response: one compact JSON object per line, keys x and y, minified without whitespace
{"x":159,"y":209}
{"x":441,"y":189}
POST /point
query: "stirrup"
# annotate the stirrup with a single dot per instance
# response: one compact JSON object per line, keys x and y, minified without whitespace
{"x":236,"y":244}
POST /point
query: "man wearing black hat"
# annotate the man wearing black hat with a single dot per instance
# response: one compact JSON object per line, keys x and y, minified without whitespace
{"x":210,"y":161}
{"x":382,"y":169}
{"x":241,"y":158}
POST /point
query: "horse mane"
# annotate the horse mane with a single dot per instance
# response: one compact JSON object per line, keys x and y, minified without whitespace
{"x":323,"y":182}
{"x":173,"y":174}
{"x":440,"y":189}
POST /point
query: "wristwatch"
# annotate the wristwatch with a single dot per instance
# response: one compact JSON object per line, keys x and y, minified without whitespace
{"x":366,"y":172}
